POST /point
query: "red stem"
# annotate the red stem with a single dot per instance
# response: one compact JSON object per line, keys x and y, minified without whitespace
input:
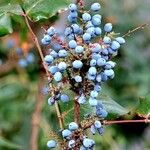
{"x":126,"y":121}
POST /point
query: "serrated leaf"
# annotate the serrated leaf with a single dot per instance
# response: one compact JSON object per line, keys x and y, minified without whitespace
{"x":144,"y":106}
{"x":43,"y":9}
{"x":7,"y":144}
{"x":5,"y":24}
{"x":114,"y":109}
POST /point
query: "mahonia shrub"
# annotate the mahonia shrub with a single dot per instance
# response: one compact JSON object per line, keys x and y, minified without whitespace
{"x":82,"y":60}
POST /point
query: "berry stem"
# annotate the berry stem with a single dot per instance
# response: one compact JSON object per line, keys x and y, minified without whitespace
{"x":77,"y":112}
{"x":44,"y":65}
{"x":136,"y":29}
{"x":125,"y":121}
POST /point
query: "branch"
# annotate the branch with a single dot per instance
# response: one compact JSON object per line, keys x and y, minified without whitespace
{"x":136,"y":29}
{"x":45,"y":67}
{"x":36,"y":118}
{"x":125,"y":121}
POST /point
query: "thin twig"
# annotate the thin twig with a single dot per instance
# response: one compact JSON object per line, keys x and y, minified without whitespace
{"x":45,"y":66}
{"x":136,"y":29}
{"x":36,"y":118}
{"x":125,"y":121}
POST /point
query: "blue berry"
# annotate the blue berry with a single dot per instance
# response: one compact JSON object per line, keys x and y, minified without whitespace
{"x":64,"y":98}
{"x":89,"y":24}
{"x":48,"y":59}
{"x":68,"y":31}
{"x":82,"y":99}
{"x":97,"y":124}
{"x":115,"y":45}
{"x":71,"y":36}
{"x":120,"y":40}
{"x":98,"y":78}
{"x":53,"y":69}
{"x":71,"y":144}
{"x":66,"y":133}
{"x":96,"y":48}
{"x":108,"y":27}
{"x":107,"y":40}
{"x":102,"y":113}
{"x":93,"y":63}
{"x":73,"y":14}
{"x":71,"y":19}
{"x":73,"y":126}
{"x":109,"y":72}
{"x":97,"y":16}
{"x":72,"y":44}
{"x":22,"y":63}
{"x":94,"y":94}
{"x":98,"y":31}
{"x":97,"y":88}
{"x":62,"y":53}
{"x":51,"y":31}
{"x":30,"y":58}
{"x":77,"y":64}
{"x":86,"y":17}
{"x":75,"y":28}
{"x":57,"y":76}
{"x":62,"y":66}
{"x":110,"y":64}
{"x":51,"y":144}
{"x":51,"y":101}
{"x":93,"y":102}
{"x":101,"y":62}
{"x":88,"y":143}
{"x":53,"y":54}
{"x":92,"y":129}
{"x":101,"y":130}
{"x":95,"y":7}
{"x":91,"y":31}
{"x":73,"y":7}
{"x":86,"y":36}
{"x":91,"y":77}
{"x":47,"y":38}
{"x":104,"y":77}
{"x":79,"y":49}
{"x":96,"y":56}
{"x":78,"y":78}
{"x":96,"y":21}
{"x":92,"y":71}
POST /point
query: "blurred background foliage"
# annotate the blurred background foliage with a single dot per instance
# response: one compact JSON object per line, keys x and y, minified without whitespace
{"x":23,"y":90}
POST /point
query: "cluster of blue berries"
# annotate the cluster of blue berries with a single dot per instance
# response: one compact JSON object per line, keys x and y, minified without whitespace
{"x":83,"y":60}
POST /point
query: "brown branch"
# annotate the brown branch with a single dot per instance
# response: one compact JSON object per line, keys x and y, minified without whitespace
{"x":76,"y":112}
{"x":136,"y":29}
{"x":125,"y":121}
{"x":36,"y":118}
{"x":45,"y":66}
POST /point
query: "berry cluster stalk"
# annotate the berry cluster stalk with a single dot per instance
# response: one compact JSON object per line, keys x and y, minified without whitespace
{"x":45,"y":66}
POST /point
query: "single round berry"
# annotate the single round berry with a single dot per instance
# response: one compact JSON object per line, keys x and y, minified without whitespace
{"x":57,"y":76}
{"x":78,"y":78}
{"x":98,"y":31}
{"x":95,"y":7}
{"x":107,"y":40}
{"x":93,"y":102}
{"x":91,"y":77}
{"x":82,"y":99}
{"x":54,"y":54}
{"x":51,"y":144}
{"x":73,"y":126}
{"x":77,"y":64}
{"x":75,"y":28}
{"x":79,"y":49}
{"x":93,"y":63}
{"x":66,"y":133}
{"x":96,"y":48}
{"x":64,"y":98}
{"x":51,"y":101}
{"x":51,"y":31}
{"x":72,"y":44}
{"x":86,"y":36}
{"x":62,"y":66}
{"x":88,"y":143}
{"x":94,"y":94}
{"x":73,"y":7}
{"x":115,"y":45}
{"x":92,"y":129}
{"x":62,"y":53}
{"x":86,"y":17}
{"x":53,"y":69}
{"x":92,"y":71}
{"x":109,"y":72}
{"x":97,"y":124}
{"x":98,"y":78}
{"x":120,"y":40}
{"x":73,"y":14}
{"x":47,"y":38}
{"x":108,"y":27}
{"x":97,"y":88}
{"x":101,"y":62}
{"x":71,"y":144}
{"x":48,"y":59}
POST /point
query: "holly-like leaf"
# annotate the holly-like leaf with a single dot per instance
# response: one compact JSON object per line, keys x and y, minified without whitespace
{"x":143,"y":108}
{"x":113,"y":108}
{"x":43,"y":9}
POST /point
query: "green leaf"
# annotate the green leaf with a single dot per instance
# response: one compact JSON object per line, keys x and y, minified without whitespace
{"x":5,"y":143}
{"x":144,"y":106}
{"x":114,"y":109}
{"x":43,"y":9}
{"x":5,"y":24}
